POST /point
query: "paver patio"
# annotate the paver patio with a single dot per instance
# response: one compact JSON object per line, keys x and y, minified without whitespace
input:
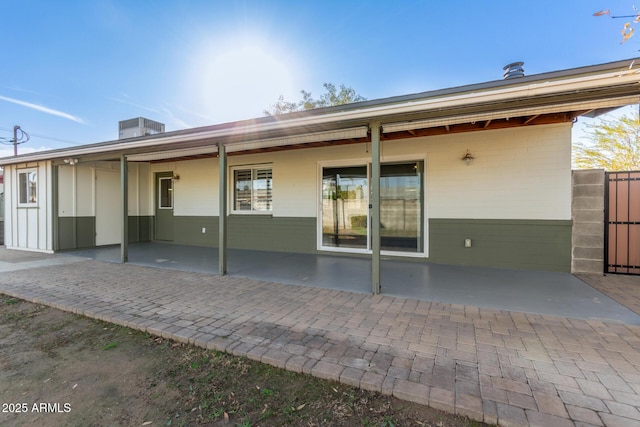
{"x":497,"y":366}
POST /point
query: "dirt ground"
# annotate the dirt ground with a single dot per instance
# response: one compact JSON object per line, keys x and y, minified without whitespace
{"x":59,"y":369}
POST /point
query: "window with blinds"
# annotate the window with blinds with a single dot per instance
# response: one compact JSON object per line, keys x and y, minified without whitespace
{"x":252,"y":189}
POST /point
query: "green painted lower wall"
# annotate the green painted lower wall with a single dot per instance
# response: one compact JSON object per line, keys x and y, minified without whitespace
{"x":76,"y":232}
{"x":520,"y":244}
{"x":80,"y":232}
{"x":188,"y":230}
{"x":140,"y":229}
{"x":258,"y":232}
{"x":265,"y":233}
{"x":1,"y":232}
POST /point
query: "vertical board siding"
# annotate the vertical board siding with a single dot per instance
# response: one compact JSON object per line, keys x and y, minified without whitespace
{"x":9,"y":206}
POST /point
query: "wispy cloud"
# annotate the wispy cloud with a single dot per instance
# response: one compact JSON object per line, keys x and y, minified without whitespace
{"x":125,"y":99}
{"x":175,"y":119}
{"x":43,"y":109}
{"x":19,"y":89}
{"x":196,"y":114}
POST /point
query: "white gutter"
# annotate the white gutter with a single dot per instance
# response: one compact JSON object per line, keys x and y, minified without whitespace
{"x":366,"y":113}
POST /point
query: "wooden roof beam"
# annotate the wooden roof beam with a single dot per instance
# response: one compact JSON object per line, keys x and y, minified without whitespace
{"x":487,"y":123}
{"x":530,"y":119}
{"x":575,"y":114}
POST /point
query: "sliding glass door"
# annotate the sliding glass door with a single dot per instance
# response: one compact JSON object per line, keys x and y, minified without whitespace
{"x":401,"y":207}
{"x":345,"y":208}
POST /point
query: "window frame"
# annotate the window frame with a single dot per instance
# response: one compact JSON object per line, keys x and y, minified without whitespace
{"x":28,"y":203}
{"x":359,"y":161}
{"x":160,"y":179}
{"x":232,"y":193}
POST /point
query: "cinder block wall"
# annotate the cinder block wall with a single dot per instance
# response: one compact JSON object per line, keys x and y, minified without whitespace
{"x":587,"y":213}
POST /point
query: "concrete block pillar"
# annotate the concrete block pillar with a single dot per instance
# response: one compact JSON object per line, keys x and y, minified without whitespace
{"x":587,"y":214}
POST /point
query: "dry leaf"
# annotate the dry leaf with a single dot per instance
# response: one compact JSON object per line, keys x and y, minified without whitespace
{"x":226,"y":418}
{"x":602,"y":12}
{"x":300,"y":407}
{"x":146,"y":423}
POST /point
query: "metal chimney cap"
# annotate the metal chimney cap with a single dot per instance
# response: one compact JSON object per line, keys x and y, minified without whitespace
{"x":513,"y":70}
{"x":513,"y":65}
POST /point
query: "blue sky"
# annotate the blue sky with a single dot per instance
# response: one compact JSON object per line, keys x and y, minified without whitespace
{"x":73,"y":69}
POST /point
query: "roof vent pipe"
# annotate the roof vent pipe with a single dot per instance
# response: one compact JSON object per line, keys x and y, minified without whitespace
{"x":513,"y":70}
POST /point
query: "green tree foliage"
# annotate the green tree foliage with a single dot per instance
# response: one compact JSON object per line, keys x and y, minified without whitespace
{"x":332,"y":96}
{"x":615,"y":145}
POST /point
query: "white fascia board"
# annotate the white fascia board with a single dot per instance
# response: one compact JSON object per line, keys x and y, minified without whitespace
{"x":160,"y":155}
{"x":356,"y":132}
{"x":493,"y":115}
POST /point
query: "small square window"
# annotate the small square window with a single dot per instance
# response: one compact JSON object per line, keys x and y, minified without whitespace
{"x":28,"y":187}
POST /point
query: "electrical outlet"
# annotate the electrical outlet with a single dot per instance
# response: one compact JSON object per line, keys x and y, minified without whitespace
{"x":467,"y":243}
{"x":204,"y":230}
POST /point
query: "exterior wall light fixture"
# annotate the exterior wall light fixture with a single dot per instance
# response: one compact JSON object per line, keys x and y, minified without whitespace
{"x":467,"y":158}
{"x":71,"y":161}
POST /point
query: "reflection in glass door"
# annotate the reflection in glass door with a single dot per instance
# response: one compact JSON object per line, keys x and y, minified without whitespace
{"x":345,"y":207}
{"x":401,"y":207}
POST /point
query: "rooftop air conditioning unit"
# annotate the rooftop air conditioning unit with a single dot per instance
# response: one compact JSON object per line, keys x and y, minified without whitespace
{"x":139,"y":126}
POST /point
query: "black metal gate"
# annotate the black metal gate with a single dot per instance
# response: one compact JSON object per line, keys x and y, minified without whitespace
{"x":622,"y":222}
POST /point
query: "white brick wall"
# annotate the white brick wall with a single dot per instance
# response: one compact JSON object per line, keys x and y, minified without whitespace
{"x":522,"y":173}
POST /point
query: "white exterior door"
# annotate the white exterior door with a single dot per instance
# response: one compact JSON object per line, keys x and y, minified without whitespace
{"x":108,"y":207}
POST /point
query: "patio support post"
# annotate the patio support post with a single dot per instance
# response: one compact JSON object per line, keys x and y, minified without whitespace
{"x":222,"y":221}
{"x":374,"y":207}
{"x":124,"y":193}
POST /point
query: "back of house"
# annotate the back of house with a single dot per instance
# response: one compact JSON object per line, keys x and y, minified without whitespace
{"x":475,"y":175}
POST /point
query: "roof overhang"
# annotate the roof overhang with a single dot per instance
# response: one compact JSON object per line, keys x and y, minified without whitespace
{"x":560,"y":96}
{"x":582,"y":106}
